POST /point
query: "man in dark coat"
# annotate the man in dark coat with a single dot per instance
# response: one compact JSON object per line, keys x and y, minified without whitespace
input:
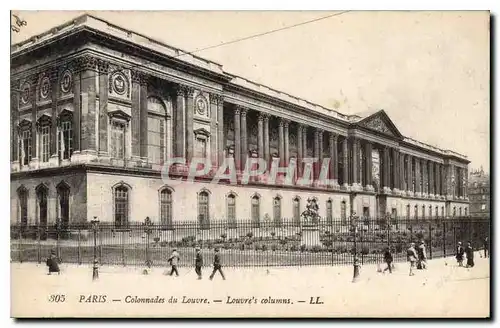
{"x":411,"y":255}
{"x":486,"y":247}
{"x":198,"y":262}
{"x":460,"y":254}
{"x":53,"y":263}
{"x":217,"y":265}
{"x":388,"y":259}
{"x":422,"y":256}
{"x":470,"y":255}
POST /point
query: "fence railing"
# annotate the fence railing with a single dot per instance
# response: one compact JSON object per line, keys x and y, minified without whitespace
{"x":244,"y":243}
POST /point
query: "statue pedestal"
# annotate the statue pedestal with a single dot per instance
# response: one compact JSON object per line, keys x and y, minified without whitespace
{"x":310,"y":236}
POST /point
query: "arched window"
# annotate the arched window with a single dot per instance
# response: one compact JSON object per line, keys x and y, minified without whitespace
{"x":460,"y":211}
{"x":42,"y":194}
{"x":329,"y":212}
{"x":157,"y":127}
{"x":121,"y":194}
{"x":63,"y":191}
{"x":430,"y":212}
{"x":277,"y":210}
{"x":408,"y":211}
{"x":415,"y":214}
{"x":22,"y":195}
{"x":203,"y":209}
{"x":454,"y":211}
{"x":436,"y":212}
{"x":423,"y":211}
{"x":255,"y":211}
{"x":465,"y":211}
{"x":231,"y":210}
{"x":442,"y":211}
{"x":166,"y":208}
{"x":343,"y":212}
{"x":296,"y":211}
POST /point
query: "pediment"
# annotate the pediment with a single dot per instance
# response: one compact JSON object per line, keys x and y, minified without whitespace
{"x":118,"y":113}
{"x":381,"y":122}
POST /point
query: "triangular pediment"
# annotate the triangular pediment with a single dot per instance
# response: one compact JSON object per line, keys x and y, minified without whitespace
{"x":381,"y":122}
{"x":120,"y":114}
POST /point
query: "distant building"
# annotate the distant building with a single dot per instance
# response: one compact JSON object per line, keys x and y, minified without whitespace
{"x":479,"y":194}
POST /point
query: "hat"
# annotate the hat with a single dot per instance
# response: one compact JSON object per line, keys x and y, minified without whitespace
{"x":174,"y":249}
{"x":53,"y":252}
{"x":460,"y":243}
{"x":217,"y":249}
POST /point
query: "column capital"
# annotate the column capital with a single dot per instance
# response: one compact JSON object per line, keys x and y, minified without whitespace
{"x":286,"y":122}
{"x":185,"y":90}
{"x":103,"y":66}
{"x":260,"y":117}
{"x":216,"y":98}
{"x":318,"y":132}
{"x":139,"y":77}
{"x":334,"y":136}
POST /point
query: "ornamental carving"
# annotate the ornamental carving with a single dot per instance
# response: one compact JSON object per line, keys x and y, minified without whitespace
{"x":103,"y":66}
{"x":66,"y":81}
{"x":139,"y":77}
{"x":187,"y":90}
{"x":119,"y":84}
{"x":293,"y":139}
{"x":44,"y":87}
{"x":86,"y":62}
{"x":25,"y":93}
{"x":377,"y":124}
{"x":201,"y":105}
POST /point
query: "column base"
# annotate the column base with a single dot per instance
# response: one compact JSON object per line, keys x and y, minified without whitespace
{"x":34,"y":164}
{"x":15,"y":166}
{"x":54,"y":160}
{"x":345,"y":186}
{"x":396,"y":191}
{"x":369,"y":188}
{"x":84,"y":156}
{"x":409,"y":193}
{"x":356,"y":187}
{"x":418,"y":194}
{"x":386,"y":190}
{"x":335,"y":185}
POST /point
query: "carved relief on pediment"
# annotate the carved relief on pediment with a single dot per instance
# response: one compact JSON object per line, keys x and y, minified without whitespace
{"x":377,"y":124}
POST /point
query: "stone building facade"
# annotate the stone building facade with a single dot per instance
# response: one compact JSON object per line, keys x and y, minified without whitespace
{"x":96,"y":110}
{"x":479,"y":191}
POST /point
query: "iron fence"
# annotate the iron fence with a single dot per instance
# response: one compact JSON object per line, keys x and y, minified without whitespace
{"x":244,"y":243}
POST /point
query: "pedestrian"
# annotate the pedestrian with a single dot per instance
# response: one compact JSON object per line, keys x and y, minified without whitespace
{"x":53,"y":263}
{"x":486,"y":248}
{"x":460,"y":254}
{"x":388,"y":259}
{"x":470,"y":255}
{"x":198,"y":262}
{"x":174,"y":260}
{"x":411,"y":255}
{"x":422,"y":256}
{"x":217,"y":265}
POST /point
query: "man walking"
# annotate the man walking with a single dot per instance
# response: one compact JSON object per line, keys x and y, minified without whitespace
{"x":217,"y":265}
{"x":198,"y":262}
{"x":486,"y":248}
{"x":470,"y":255}
{"x":388,"y":259}
{"x":174,"y":260}
{"x":411,"y":255}
{"x":460,"y":254}
{"x":53,"y":263}
{"x":422,"y":256}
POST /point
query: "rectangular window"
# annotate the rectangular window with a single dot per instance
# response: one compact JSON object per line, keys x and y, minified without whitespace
{"x":118,"y":140}
{"x":166,"y":209}
{"x":201,"y":148}
{"x":156,"y":140}
{"x":65,"y":140}
{"x":329,"y":212}
{"x":25,"y":147}
{"x":255,"y":212}
{"x":45,"y":143}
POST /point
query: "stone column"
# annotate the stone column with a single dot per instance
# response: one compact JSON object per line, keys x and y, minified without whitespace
{"x":425,"y":185}
{"x":244,"y":139}
{"x":402,"y":180}
{"x":88,"y":66}
{"x":431,"y":178}
{"x":54,"y":92}
{"x":466,"y":184}
{"x":299,"y":150}
{"x":14,"y":112}
{"x":180,"y":118}
{"x":395,"y":169}
{"x":189,"y":124}
{"x":281,"y":142}
{"x":286,"y":124}
{"x":368,"y":165}
{"x":260,"y":135}
{"x":135,"y":113}
{"x":220,"y":129}
{"x":237,"y":138}
{"x":75,"y":74}
{"x":345,"y":162}
{"x":304,"y":141}
{"x":316,"y":154}
{"x":103,"y":107}
{"x":438,"y":179}
{"x":333,"y":158}
{"x":409,"y":176}
{"x":143,"y":141}
{"x":355,"y":162}
{"x":33,"y":80}
{"x":418,"y":189}
{"x":386,"y":167}
{"x":266,"y":139}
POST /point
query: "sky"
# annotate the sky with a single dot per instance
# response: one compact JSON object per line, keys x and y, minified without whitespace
{"x":428,"y":70}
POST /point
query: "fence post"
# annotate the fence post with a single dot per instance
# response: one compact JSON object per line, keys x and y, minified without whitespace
{"x":123,"y":234}
{"x":444,"y":239}
{"x":430,"y":240}
{"x":38,"y":243}
{"x":79,"y":245}
{"x":21,"y":244}
{"x":58,"y":229}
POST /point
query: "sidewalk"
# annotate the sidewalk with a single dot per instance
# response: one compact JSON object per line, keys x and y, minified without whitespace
{"x":444,"y":290}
